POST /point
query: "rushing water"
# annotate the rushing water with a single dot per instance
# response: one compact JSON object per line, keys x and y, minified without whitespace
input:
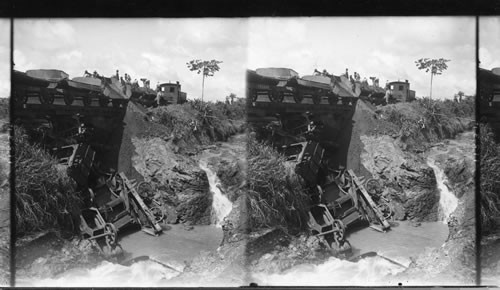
{"x":460,"y":148}
{"x":448,"y":202}
{"x":221,"y":205}
{"x":106,"y":274}
{"x":368,"y":271}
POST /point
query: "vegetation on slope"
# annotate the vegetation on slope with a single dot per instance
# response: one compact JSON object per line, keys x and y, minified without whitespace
{"x":276,"y":193}
{"x":201,"y":122}
{"x":45,"y":195}
{"x":429,"y":120}
{"x":489,"y":180}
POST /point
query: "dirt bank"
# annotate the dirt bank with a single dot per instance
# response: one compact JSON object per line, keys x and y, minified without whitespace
{"x":454,"y":262}
{"x":4,"y":205}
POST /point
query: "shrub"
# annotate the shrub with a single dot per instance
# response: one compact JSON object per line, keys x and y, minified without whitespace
{"x":490,"y":179}
{"x":428,"y":120}
{"x":45,"y":195}
{"x":276,"y":193}
{"x":201,"y":121}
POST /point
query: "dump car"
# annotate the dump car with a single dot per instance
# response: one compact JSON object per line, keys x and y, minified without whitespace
{"x":338,"y":199}
{"x":52,"y":89}
{"x":112,"y":204}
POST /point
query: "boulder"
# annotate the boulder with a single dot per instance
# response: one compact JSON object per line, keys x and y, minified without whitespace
{"x":183,"y":183}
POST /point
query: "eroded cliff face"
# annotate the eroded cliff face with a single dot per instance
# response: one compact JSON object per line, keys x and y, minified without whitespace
{"x":181,"y":183}
{"x":455,"y":261}
{"x":408,"y":182}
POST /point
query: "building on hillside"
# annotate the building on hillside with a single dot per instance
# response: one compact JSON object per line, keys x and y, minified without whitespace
{"x":170,"y":93}
{"x":400,"y":91}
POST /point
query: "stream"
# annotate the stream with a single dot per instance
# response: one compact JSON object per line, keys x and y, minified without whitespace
{"x":401,"y":244}
{"x":158,"y":260}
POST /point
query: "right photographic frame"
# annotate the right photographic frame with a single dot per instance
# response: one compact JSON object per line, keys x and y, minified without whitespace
{"x":362,"y":148}
{"x":489,"y":159}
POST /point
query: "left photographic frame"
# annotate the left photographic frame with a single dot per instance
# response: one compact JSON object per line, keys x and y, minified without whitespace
{"x":5,"y":272}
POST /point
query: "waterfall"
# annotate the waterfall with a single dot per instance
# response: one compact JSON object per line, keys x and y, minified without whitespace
{"x":448,"y":202}
{"x":221,"y":205}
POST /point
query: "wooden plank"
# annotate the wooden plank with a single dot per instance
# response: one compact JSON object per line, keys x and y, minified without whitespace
{"x":141,"y":203}
{"x":369,"y":200}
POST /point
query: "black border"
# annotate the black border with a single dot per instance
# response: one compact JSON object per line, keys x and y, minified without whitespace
{"x":12,"y":174}
{"x":246,"y":8}
{"x":477,"y":176}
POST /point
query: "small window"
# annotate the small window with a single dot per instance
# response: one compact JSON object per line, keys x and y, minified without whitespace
{"x":172,"y":89}
{"x":392,"y":87}
{"x":162,"y":89}
{"x":401,"y":88}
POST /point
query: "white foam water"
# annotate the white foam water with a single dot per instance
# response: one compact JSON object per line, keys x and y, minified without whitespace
{"x":374,"y":271}
{"x":221,"y":205}
{"x":448,"y":202}
{"x":106,"y":274}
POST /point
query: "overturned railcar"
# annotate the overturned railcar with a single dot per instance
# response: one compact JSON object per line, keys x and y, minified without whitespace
{"x":489,"y":94}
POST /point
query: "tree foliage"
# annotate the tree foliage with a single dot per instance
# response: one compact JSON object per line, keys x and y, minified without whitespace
{"x":434,"y":66}
{"x":208,"y":67}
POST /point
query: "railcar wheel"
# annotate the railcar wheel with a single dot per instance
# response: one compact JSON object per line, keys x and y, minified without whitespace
{"x":316,"y":99}
{"x":21,"y":96}
{"x":333,"y":100}
{"x":111,"y":238}
{"x":87,"y":100}
{"x":277,"y":96}
{"x":298,"y":96}
{"x":46,"y":97}
{"x":103,"y":101}
{"x":69,"y":98}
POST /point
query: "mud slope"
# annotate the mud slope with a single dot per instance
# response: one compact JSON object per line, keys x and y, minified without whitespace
{"x":365,"y":121}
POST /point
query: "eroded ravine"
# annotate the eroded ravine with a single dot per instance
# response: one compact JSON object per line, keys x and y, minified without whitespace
{"x":158,"y":260}
{"x":402,"y":244}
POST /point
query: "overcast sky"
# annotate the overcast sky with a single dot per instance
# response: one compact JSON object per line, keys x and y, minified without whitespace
{"x":4,"y":58}
{"x":386,"y":47}
{"x":489,"y":42}
{"x":157,"y":49}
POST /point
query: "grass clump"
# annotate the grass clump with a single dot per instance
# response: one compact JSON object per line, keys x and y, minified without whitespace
{"x":45,"y":195}
{"x":489,"y":180}
{"x":429,"y":120}
{"x":277,"y":195}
